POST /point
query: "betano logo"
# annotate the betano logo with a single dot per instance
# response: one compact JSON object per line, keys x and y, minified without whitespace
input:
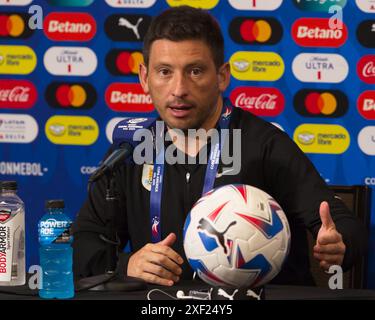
{"x":366,"y":33}
{"x":15,"y":2}
{"x":256,"y":66}
{"x":319,"y":5}
{"x":18,"y":128}
{"x":70,"y":130}
{"x":366,"y":140}
{"x":321,"y":103}
{"x":269,"y":5}
{"x":69,"y":26}
{"x":320,"y":67}
{"x":17,"y":60}
{"x":366,"y":105}
{"x":366,"y":69}
{"x":322,"y":138}
{"x":17,"y":94}
{"x":70,"y":61}
{"x":316,"y":32}
{"x":72,"y":95}
{"x":203,"y":4}
{"x":71,"y":3}
{"x":15,"y":25}
{"x":130,"y":4}
{"x":123,"y":62}
{"x":257,"y":30}
{"x":367,"y":6}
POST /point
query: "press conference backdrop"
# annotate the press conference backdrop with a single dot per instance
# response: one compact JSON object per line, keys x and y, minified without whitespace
{"x":65,"y":84}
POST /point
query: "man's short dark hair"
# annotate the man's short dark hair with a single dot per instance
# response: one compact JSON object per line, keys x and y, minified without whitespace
{"x":186,"y":23}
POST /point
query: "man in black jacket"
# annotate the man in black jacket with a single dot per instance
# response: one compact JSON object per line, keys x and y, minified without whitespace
{"x":185,"y":74}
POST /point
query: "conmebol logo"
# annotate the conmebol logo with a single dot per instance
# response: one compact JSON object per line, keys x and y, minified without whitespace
{"x":131,"y":4}
{"x":128,"y":97}
{"x":366,"y":69}
{"x":316,"y":32}
{"x":366,"y":105}
{"x":259,"y":101}
{"x":69,"y":26}
{"x":17,"y":94}
{"x":263,"y":5}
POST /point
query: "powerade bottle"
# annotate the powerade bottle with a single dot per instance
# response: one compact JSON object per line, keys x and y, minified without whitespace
{"x":55,"y":252}
{"x":12,"y":236}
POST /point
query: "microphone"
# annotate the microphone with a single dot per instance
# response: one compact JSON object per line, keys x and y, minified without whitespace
{"x":124,"y":144}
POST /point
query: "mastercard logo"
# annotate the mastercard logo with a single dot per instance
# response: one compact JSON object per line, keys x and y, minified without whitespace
{"x":123,"y":62}
{"x":255,"y":30}
{"x":63,"y":95}
{"x":14,"y":26}
{"x":321,"y":103}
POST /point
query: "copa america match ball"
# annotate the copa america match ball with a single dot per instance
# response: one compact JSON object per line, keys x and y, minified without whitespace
{"x":236,"y":236}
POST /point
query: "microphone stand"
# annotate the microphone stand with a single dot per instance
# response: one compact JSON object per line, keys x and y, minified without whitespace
{"x":111,"y":280}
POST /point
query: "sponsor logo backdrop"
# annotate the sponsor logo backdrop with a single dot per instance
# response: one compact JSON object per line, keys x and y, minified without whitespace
{"x":64,"y":87}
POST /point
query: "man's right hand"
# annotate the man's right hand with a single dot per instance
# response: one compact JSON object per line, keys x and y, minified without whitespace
{"x":157,"y":263}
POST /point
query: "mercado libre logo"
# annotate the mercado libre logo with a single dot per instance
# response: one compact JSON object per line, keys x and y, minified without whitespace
{"x":366,"y":33}
{"x":321,"y":103}
{"x":72,"y":130}
{"x":17,"y":94}
{"x":14,"y":25}
{"x":247,"y":30}
{"x":366,"y":105}
{"x":69,"y":26}
{"x":322,"y":138}
{"x":123,"y":62}
{"x":15,"y":2}
{"x":17,"y":60}
{"x":259,"y":101}
{"x":257,"y":66}
{"x":319,"y":6}
{"x":71,"y":95}
{"x":130,"y":4}
{"x":71,"y":3}
{"x":316,"y":32}
{"x":262,"y":5}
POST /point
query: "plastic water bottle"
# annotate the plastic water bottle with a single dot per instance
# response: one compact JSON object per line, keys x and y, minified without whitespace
{"x":56,"y":253}
{"x":12,"y":236}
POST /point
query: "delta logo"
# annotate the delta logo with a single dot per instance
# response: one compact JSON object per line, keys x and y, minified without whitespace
{"x":322,"y":138}
{"x":256,"y":5}
{"x":128,"y":97}
{"x":321,"y":103}
{"x":202,"y":4}
{"x":131,"y":3}
{"x":15,"y":25}
{"x":18,"y":128}
{"x":366,"y":33}
{"x":367,"y":6}
{"x":262,"y":31}
{"x":69,"y":26}
{"x":319,"y":5}
{"x":17,"y":94}
{"x":123,"y":62}
{"x":257,"y":66}
{"x":366,"y":105}
{"x":70,"y":3}
{"x":366,"y":140}
{"x":366,"y":69}
{"x":72,"y":130}
{"x":17,"y":60}
{"x":323,"y":68}
{"x":71,"y":95}
{"x":316,"y":32}
{"x":268,"y":102}
{"x":70,"y":61}
{"x":15,"y":2}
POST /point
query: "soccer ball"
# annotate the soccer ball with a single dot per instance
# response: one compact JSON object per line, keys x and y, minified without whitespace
{"x":236,"y":236}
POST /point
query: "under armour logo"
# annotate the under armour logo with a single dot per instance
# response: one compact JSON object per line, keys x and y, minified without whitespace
{"x":125,"y":23}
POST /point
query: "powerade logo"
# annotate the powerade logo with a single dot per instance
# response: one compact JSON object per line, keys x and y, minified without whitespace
{"x":123,"y":62}
{"x":70,"y":3}
{"x":318,"y":5}
{"x":54,"y":231}
{"x":14,"y":25}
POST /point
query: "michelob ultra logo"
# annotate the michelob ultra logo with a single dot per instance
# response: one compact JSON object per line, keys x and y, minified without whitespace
{"x":367,"y":6}
{"x":320,"y":67}
{"x":256,"y":66}
{"x":322,"y":138}
{"x":318,"y":5}
{"x":71,"y":3}
{"x":15,"y":2}
{"x":123,"y":62}
{"x":70,"y":130}
{"x":130,"y":4}
{"x":203,"y":4}
{"x":17,"y":60}
{"x":366,"y":140}
{"x":366,"y":105}
{"x":18,"y":128}
{"x":263,"y":5}
{"x":15,"y":25}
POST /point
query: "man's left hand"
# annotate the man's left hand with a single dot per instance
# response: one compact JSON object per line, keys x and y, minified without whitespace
{"x":329,"y":248}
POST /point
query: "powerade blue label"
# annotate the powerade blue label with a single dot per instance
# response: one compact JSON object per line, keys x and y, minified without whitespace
{"x":53,"y":231}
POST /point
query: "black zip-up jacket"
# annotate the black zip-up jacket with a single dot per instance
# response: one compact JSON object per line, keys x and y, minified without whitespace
{"x":270,"y":161}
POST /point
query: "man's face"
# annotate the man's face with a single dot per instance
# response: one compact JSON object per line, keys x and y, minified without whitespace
{"x":184,"y":84}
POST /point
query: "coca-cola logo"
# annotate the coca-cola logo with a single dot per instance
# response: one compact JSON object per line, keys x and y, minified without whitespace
{"x":128,"y":97}
{"x":267,"y":102}
{"x":17,"y":94}
{"x":366,"y":105}
{"x":366,"y":69}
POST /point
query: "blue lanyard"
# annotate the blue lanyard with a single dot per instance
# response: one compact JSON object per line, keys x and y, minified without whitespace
{"x":209,"y":180}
